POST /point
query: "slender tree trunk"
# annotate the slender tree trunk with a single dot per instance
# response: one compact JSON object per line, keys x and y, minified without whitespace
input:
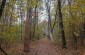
{"x":56,"y":15}
{"x":82,"y":36}
{"x":50,"y":26}
{"x":1,"y":11}
{"x":30,"y":17}
{"x":61,"y":25}
{"x":21,"y":12}
{"x":2,"y":7}
{"x":35,"y":20}
{"x":50,"y":34}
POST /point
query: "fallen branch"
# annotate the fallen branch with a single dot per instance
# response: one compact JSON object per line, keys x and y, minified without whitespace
{"x":3,"y":51}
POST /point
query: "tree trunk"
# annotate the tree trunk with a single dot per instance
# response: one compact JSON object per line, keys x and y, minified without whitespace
{"x":82,"y":36}
{"x":49,"y":21}
{"x":2,"y":7}
{"x":1,"y":11}
{"x":61,"y":25}
{"x":27,"y":37}
{"x":35,"y":21}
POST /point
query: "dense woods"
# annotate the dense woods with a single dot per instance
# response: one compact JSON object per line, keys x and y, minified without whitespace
{"x":51,"y":27}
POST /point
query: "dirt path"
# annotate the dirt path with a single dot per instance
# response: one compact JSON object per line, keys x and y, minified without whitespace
{"x":43,"y":47}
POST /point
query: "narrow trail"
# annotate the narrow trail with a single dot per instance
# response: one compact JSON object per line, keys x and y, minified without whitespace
{"x":44,"y":47}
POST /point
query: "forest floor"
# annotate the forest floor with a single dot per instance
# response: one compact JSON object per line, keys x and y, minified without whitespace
{"x":15,"y":49}
{"x":45,"y":47}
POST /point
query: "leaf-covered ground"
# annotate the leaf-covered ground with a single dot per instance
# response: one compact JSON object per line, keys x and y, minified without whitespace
{"x":15,"y":49}
{"x":45,"y":47}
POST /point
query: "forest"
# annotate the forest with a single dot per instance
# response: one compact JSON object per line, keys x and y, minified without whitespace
{"x":42,"y":27}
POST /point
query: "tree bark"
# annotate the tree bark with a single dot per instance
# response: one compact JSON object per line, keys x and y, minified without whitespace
{"x":1,"y":11}
{"x":35,"y":20}
{"x":50,"y":34}
{"x":61,"y":25}
{"x":2,"y":7}
{"x":27,"y":38}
